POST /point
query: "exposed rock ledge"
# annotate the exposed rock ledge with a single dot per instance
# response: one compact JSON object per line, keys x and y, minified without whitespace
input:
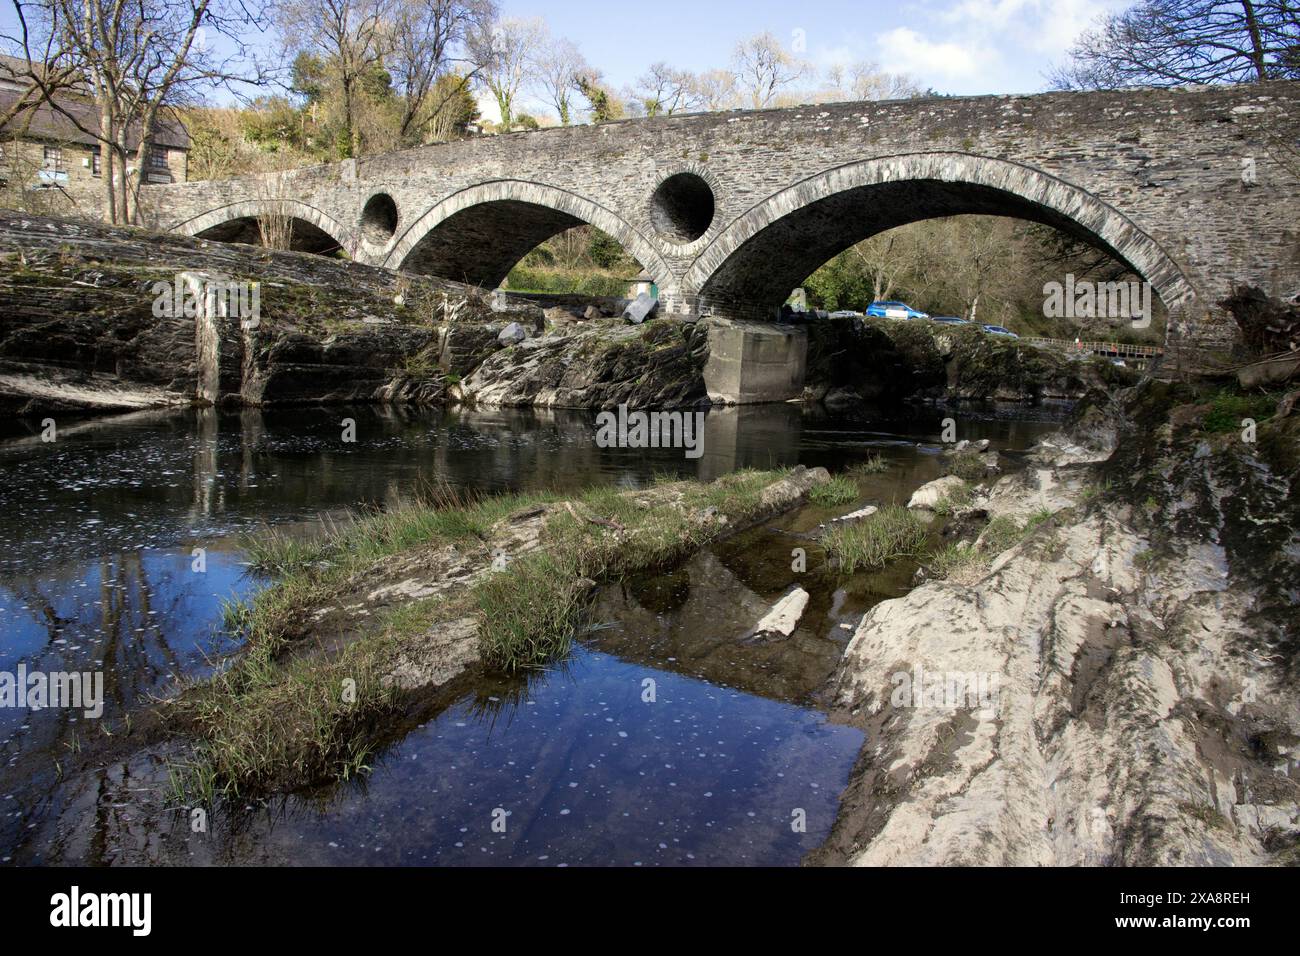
{"x":1136,"y":717}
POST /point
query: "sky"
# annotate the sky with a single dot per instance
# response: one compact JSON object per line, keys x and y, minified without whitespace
{"x":952,"y":46}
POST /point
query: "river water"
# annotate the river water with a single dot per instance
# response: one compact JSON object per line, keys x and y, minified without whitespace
{"x":662,"y":739}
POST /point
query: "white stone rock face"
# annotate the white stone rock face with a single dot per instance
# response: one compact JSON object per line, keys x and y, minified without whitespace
{"x":931,"y":493}
{"x":1098,"y":667}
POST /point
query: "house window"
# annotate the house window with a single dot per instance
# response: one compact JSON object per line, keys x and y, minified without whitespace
{"x":96,"y":169}
{"x":54,"y":158}
{"x":156,"y":158}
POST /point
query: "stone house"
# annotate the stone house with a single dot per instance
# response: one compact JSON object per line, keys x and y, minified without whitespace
{"x":45,"y":151}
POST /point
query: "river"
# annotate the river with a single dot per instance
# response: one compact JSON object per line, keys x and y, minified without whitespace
{"x":660,"y":740}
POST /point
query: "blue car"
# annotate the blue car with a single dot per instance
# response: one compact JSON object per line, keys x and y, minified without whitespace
{"x":999,"y":330}
{"x":894,"y":310}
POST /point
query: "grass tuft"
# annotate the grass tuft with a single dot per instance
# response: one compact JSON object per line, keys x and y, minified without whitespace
{"x":528,"y":613}
{"x":871,"y":465}
{"x":1228,"y":409}
{"x":955,"y":561}
{"x":892,"y":532}
{"x":968,"y":464}
{"x":840,"y":490}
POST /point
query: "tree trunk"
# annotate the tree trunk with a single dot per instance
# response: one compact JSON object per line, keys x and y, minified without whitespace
{"x":1256,"y":41}
{"x":349,"y":118}
{"x":107,"y":163}
{"x":123,"y":179}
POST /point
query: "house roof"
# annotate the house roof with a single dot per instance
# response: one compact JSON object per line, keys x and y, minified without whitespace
{"x":47,"y":123}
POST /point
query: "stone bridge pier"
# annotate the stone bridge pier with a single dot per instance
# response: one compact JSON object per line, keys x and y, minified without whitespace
{"x":1194,"y":190}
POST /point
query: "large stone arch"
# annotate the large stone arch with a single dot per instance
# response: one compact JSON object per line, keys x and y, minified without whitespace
{"x":478,"y":234}
{"x":771,"y":248}
{"x":235,"y":218}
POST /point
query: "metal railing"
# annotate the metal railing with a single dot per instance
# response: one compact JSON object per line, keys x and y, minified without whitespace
{"x":1118,"y":349}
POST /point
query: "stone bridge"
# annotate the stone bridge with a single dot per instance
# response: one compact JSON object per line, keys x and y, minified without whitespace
{"x":1194,"y":189}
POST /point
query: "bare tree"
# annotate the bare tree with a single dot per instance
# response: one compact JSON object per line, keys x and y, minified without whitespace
{"x":557,"y":65}
{"x":505,"y":54}
{"x":666,"y":90}
{"x":869,"y":82}
{"x":42,"y":65}
{"x":275,"y":222}
{"x":350,"y":36}
{"x":429,"y":39}
{"x":717,"y":90}
{"x":1177,"y":42}
{"x":764,"y":68}
{"x":865,"y":80}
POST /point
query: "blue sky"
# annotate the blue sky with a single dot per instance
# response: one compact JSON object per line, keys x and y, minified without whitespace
{"x":954,"y":46}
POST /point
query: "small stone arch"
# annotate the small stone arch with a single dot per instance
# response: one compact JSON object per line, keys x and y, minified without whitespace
{"x":478,"y":234}
{"x":817,"y":218}
{"x":251,"y":209}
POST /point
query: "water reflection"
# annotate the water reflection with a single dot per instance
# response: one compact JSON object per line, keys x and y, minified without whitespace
{"x":588,"y":768}
{"x":98,"y":532}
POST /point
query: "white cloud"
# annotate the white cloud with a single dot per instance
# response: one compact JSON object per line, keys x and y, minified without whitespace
{"x":974,"y":46}
{"x":1045,"y":26}
{"x":903,"y":50}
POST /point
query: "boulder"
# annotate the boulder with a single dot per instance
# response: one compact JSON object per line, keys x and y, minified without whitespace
{"x":930,"y":494}
{"x":841,"y":398}
{"x":639,"y":309}
{"x":781,"y":621}
{"x":512,"y":334}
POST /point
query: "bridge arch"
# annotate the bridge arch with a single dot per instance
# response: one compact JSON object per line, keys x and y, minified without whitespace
{"x":770,"y":249}
{"x":313,"y":230}
{"x":477,"y":235}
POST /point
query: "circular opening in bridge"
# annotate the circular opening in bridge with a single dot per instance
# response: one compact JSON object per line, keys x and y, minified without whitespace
{"x":681,"y":209}
{"x":379,"y":219}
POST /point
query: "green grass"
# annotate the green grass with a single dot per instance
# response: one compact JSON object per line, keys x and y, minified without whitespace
{"x":953,"y":560}
{"x":968,"y":465}
{"x":840,"y":490}
{"x":528,"y":614}
{"x":871,"y":465}
{"x":955,"y":500}
{"x":892,"y":532}
{"x":1227,"y":409}
{"x":1000,"y":533}
{"x":266,"y":724}
{"x":960,"y":560}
